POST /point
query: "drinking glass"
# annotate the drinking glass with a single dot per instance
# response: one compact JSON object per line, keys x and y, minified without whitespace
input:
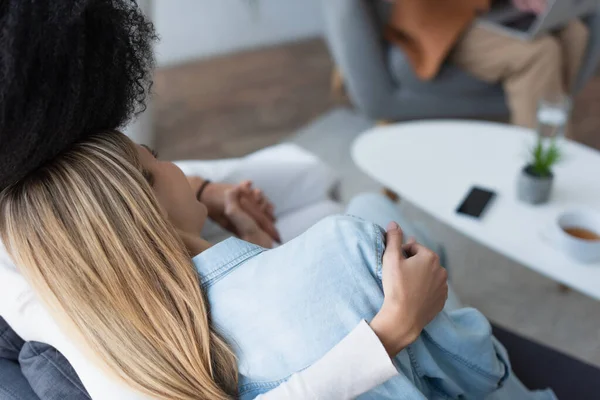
{"x":553,"y":116}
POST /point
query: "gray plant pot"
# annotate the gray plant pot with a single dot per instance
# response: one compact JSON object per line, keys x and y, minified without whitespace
{"x":533,"y":189}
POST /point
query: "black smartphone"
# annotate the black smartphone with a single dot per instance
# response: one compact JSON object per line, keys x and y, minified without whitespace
{"x":476,"y":202}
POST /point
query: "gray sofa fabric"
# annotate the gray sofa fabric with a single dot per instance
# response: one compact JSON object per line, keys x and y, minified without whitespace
{"x":13,"y":384}
{"x":450,"y":81}
{"x":10,"y":342}
{"x":382,"y":85}
{"x":592,"y":56}
{"x":49,"y":373}
{"x":35,"y":371}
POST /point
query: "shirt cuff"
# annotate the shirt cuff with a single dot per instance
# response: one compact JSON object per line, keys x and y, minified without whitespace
{"x":359,"y":362}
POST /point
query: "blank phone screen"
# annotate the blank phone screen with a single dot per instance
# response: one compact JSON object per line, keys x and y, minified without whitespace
{"x":475,"y":202}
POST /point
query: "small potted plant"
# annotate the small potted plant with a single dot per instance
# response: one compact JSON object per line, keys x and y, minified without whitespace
{"x":535,"y":182}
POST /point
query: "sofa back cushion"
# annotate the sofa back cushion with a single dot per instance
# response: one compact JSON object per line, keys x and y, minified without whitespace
{"x":49,"y":373}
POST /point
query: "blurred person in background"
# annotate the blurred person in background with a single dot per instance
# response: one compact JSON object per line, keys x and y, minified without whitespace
{"x":431,"y":31}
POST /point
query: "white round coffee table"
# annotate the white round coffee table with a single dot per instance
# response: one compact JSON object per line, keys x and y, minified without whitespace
{"x":433,"y":164}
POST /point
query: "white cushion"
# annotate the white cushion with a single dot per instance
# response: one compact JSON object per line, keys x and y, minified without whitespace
{"x":294,"y":223}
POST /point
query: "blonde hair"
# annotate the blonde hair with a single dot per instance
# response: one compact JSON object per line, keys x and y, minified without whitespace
{"x":88,"y":233}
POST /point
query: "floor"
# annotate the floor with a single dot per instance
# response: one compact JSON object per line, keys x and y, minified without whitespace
{"x":233,"y":105}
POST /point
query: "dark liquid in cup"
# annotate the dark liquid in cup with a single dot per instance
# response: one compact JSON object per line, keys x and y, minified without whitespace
{"x":581,"y":233}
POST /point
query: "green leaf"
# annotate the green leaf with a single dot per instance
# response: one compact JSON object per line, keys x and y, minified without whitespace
{"x":544,"y":157}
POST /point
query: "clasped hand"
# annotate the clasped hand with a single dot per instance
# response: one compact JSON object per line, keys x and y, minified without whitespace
{"x":241,"y":209}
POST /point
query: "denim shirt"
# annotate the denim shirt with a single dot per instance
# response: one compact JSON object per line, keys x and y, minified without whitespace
{"x":283,"y":309}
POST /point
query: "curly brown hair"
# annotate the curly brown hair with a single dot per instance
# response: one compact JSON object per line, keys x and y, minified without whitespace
{"x":68,"y":69}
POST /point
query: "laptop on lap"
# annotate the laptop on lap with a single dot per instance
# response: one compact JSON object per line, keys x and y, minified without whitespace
{"x":505,"y":18}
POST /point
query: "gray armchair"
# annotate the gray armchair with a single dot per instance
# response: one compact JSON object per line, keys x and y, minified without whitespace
{"x":382,"y":84}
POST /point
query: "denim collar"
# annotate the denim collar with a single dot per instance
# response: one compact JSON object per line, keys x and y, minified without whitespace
{"x":217,"y":261}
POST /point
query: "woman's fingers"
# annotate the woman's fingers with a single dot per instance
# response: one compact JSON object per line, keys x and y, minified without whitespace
{"x":235,"y":212}
{"x":264,"y":203}
{"x":259,"y":198}
{"x":256,"y":205}
{"x":258,"y":195}
{"x":245,"y":188}
{"x":261,"y":218}
{"x":443,"y":298}
{"x":393,"y":241}
{"x":413,"y":248}
{"x":270,"y":209}
{"x":232,"y":196}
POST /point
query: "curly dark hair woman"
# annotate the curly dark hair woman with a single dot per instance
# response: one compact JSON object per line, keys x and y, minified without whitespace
{"x":68,"y":69}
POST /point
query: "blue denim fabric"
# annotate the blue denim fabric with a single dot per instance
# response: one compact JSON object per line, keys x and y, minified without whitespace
{"x":50,"y":374}
{"x":288,"y":306}
{"x":35,"y":371}
{"x":10,"y":342}
{"x":13,"y":385}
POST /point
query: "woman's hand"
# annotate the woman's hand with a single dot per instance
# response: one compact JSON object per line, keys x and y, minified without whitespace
{"x":251,"y":200}
{"x":532,"y":6}
{"x":415,"y":290}
{"x":244,"y":225}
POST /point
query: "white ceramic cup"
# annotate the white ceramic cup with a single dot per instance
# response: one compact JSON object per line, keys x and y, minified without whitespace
{"x":586,"y":251}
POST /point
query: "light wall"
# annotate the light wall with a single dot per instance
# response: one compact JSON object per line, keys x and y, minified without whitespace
{"x":195,"y":29}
